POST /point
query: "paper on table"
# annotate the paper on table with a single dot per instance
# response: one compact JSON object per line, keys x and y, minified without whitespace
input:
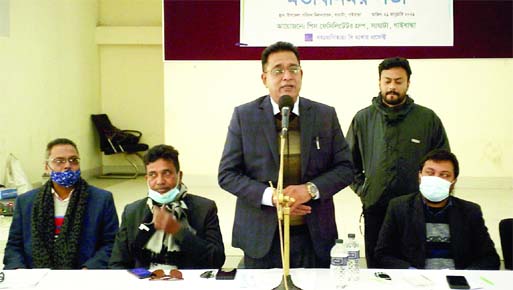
{"x":417,"y":280}
{"x":22,"y":278}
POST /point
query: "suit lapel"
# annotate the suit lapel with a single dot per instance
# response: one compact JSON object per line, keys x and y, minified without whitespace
{"x":456,"y":227}
{"x":269,"y":128}
{"x":144,"y":233}
{"x":420,"y":226}
{"x":307,"y":122}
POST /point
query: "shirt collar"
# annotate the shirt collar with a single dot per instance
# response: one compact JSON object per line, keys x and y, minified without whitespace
{"x":56,"y":195}
{"x":276,"y":107}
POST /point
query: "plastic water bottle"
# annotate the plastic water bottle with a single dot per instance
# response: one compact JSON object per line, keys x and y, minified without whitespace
{"x":338,"y":266}
{"x":353,"y":258}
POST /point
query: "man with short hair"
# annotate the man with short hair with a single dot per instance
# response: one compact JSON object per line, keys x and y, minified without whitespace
{"x":432,"y":229}
{"x":387,"y":141}
{"x":170,"y":228}
{"x":317,"y":165}
{"x":65,"y":224}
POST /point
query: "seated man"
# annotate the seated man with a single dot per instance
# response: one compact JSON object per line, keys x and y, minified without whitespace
{"x":65,"y":224}
{"x":170,"y":228}
{"x":431,"y":229}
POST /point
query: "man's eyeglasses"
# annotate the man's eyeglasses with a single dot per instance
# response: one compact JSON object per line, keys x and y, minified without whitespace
{"x":159,"y":274}
{"x":62,"y":161}
{"x":278,"y":71}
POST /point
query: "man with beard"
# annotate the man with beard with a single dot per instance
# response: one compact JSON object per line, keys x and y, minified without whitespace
{"x":387,"y":141}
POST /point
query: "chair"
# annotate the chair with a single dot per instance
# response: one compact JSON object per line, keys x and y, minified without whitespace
{"x":116,"y":141}
{"x":506,"y":233}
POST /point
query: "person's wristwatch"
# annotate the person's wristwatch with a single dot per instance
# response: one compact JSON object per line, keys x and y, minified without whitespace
{"x":312,"y":190}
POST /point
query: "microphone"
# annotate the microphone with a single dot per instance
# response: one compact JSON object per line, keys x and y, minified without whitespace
{"x":285,"y":104}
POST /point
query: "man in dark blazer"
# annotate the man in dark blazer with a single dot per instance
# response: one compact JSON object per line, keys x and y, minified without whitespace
{"x":431,"y":229}
{"x":170,"y":227}
{"x":317,"y":166}
{"x":66,"y":223}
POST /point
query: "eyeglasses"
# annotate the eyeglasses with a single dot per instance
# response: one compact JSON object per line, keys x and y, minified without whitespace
{"x":278,"y":71}
{"x":59,"y":161}
{"x":2,"y":276}
{"x":159,"y":274}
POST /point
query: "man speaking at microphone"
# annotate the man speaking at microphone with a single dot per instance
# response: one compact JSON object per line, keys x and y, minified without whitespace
{"x":316,"y":166}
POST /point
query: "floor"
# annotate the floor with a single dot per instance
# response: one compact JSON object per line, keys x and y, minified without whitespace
{"x":496,"y":204}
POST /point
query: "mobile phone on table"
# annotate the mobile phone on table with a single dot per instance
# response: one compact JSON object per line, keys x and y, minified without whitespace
{"x":382,"y":275}
{"x":457,"y":282}
{"x":140,"y":272}
{"x":226,"y":274}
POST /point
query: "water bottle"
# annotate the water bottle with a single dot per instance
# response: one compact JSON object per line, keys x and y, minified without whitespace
{"x":353,"y":258}
{"x":338,"y":266}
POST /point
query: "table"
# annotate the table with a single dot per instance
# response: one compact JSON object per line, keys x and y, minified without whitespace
{"x":307,"y":279}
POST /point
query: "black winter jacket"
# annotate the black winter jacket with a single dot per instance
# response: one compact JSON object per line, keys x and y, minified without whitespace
{"x":387,"y":145}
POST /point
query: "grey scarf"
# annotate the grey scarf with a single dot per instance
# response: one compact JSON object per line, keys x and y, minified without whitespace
{"x":160,"y":239}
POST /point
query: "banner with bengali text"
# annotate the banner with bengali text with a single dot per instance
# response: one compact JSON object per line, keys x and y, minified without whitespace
{"x":336,"y":23}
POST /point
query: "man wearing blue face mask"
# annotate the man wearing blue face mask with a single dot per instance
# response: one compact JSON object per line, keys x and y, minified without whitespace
{"x":65,"y":224}
{"x":432,"y":229}
{"x":169,"y":228}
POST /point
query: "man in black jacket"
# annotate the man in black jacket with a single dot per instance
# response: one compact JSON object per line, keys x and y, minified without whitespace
{"x":169,"y":228}
{"x":431,"y":229}
{"x":387,"y":141}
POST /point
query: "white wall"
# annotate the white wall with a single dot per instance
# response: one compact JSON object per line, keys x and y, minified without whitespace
{"x":130,"y":12}
{"x":129,"y":40}
{"x":471,"y":96}
{"x":132,"y":92}
{"x":55,"y":73}
{"x":48,"y":81}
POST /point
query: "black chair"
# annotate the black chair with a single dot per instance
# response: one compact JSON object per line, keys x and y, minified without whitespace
{"x":506,"y":233}
{"x":116,"y":141}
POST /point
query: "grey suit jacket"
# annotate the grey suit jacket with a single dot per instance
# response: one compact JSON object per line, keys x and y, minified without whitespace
{"x":251,"y":159}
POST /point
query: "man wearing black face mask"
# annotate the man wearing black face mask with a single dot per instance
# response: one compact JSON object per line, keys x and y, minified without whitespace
{"x":431,"y":229}
{"x":387,"y":141}
{"x":65,"y":224}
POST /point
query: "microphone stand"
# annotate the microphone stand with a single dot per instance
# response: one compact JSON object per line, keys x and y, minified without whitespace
{"x":283,"y":212}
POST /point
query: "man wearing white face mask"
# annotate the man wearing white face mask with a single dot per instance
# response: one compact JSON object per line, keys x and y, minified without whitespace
{"x":432,"y":229}
{"x":169,"y":228}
